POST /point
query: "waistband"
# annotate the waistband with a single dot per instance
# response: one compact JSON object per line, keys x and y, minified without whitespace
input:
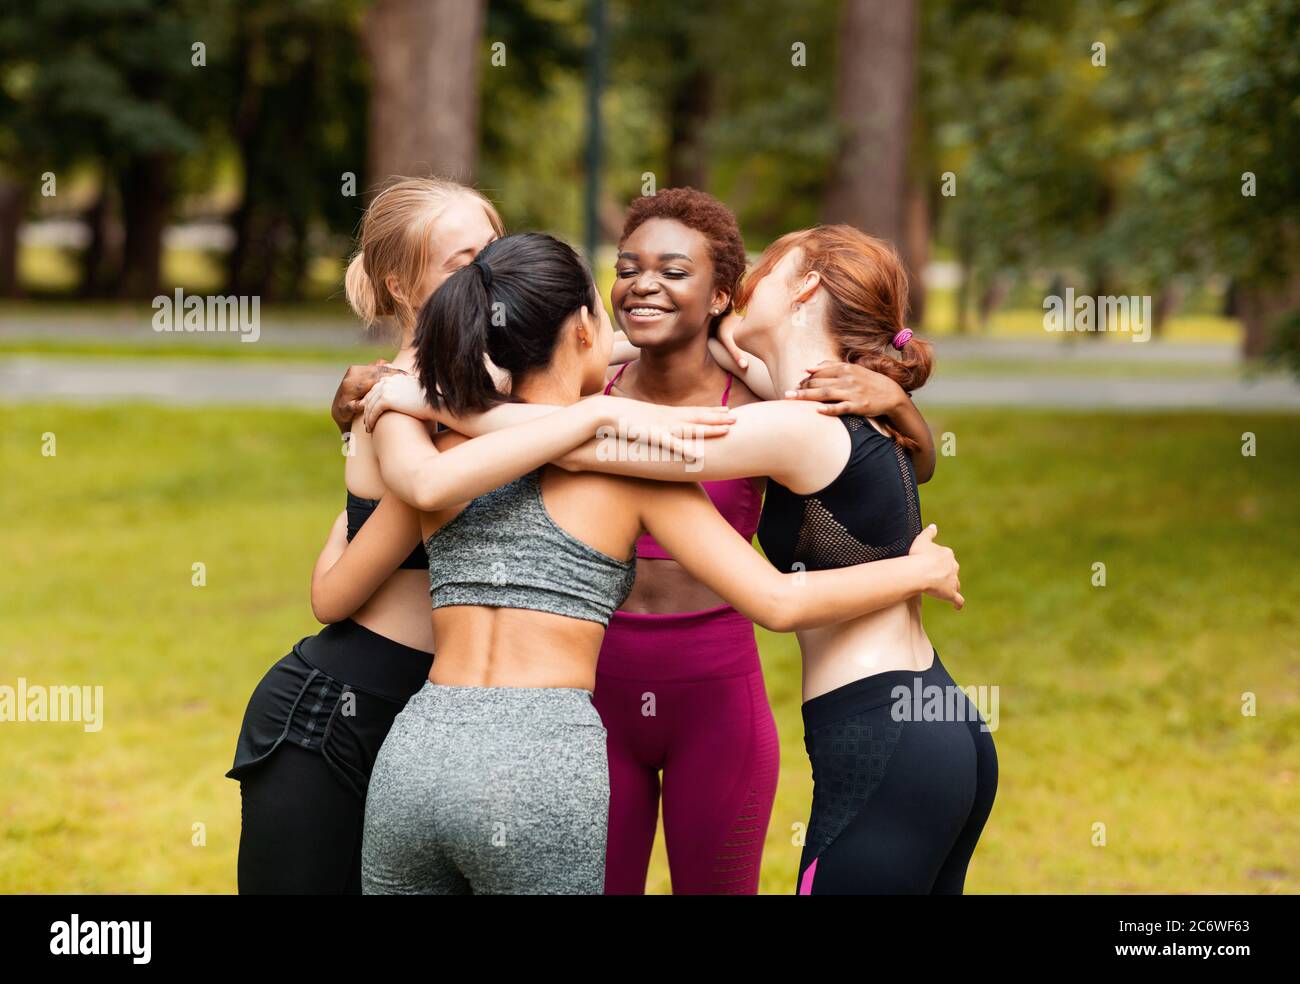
{"x":873,"y":691}
{"x":365,"y":660}
{"x":501,"y":706}
{"x":713,"y":642}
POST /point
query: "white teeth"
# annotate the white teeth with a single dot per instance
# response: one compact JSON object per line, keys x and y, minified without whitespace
{"x":642,"y":312}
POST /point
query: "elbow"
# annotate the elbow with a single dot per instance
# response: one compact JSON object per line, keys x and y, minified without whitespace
{"x":779,"y":611}
{"x":323,"y":609}
{"x":426,"y":500}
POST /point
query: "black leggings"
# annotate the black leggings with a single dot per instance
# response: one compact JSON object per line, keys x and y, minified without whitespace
{"x":305,"y":753}
{"x":301,"y":828}
{"x":903,"y":782}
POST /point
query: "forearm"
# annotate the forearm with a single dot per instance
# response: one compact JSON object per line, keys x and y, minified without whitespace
{"x":815,"y":598}
{"x":324,"y":604}
{"x":430,"y":480}
{"x":909,"y":421}
{"x":498,"y":418}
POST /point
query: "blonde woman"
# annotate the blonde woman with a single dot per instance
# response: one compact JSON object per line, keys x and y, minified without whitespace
{"x":318,"y":717}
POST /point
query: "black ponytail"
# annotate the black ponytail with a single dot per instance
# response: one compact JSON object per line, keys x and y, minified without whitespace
{"x":507,"y":305}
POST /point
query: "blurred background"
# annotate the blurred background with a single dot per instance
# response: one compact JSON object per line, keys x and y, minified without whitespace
{"x":1012,"y":149}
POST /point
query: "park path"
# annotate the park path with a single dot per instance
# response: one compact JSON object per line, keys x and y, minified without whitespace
{"x":186,"y":382}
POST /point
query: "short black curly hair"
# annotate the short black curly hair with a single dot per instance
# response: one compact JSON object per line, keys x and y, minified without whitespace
{"x":702,"y":212}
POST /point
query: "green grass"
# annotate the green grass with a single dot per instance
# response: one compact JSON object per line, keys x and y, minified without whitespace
{"x":54,"y":269}
{"x":224,"y":349}
{"x":1119,"y":704}
{"x":1014,"y":321}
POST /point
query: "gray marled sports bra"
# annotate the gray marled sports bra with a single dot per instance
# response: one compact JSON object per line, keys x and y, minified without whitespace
{"x":505,"y":551}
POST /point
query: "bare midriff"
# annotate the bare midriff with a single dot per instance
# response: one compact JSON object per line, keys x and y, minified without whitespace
{"x":890,"y":639}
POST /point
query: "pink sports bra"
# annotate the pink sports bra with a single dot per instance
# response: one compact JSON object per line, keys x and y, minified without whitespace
{"x":740,"y":500}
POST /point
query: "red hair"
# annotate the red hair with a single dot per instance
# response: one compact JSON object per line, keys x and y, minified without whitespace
{"x":866,"y":288}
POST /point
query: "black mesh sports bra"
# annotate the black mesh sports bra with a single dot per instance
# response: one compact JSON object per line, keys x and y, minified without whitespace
{"x":869,"y":512}
{"x":359,"y":511}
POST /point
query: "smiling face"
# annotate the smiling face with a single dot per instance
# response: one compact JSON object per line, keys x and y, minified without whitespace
{"x":663,"y":293}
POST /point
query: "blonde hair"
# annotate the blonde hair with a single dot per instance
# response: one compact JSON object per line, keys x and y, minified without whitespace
{"x":396,"y":233}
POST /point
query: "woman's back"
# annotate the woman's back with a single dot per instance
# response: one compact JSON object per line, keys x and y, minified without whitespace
{"x":523,"y":579}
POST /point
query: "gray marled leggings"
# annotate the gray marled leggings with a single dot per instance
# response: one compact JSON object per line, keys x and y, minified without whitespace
{"x":489,"y":790}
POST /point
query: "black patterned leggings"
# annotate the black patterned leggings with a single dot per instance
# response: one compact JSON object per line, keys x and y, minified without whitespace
{"x":904,"y":776}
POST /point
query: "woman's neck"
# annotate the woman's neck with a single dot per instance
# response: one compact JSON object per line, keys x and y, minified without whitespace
{"x":548,"y":386}
{"x":789,"y":351}
{"x":673,"y":375}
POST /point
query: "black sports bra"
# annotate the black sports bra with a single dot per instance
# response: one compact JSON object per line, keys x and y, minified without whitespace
{"x":869,"y":512}
{"x":359,"y":511}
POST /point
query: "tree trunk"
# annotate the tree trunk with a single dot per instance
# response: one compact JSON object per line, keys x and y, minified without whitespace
{"x":688,"y":111}
{"x":424,"y":95}
{"x":11,"y":215}
{"x":874,"y":103}
{"x":96,"y":257}
{"x":916,"y":249}
{"x":1168,"y":301}
{"x":146,"y":196}
{"x":1260,"y":305}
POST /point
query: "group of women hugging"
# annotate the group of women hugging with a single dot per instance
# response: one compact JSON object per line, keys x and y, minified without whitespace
{"x":590,"y":656}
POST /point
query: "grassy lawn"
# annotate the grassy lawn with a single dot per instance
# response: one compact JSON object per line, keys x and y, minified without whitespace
{"x":1119,"y":705}
{"x":77,"y":348}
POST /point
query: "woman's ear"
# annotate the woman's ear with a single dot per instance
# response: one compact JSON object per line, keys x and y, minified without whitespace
{"x":807,"y":287}
{"x":587,"y":327}
{"x":394,"y":287}
{"x":721,"y":299}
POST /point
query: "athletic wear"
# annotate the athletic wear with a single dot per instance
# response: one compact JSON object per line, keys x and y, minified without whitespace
{"x":898,"y":805}
{"x":499,"y":789}
{"x":489,"y":790}
{"x":739,"y":500}
{"x":869,"y":512}
{"x":682,"y":694}
{"x":328,"y":704}
{"x":504,"y":551}
{"x":359,"y":510}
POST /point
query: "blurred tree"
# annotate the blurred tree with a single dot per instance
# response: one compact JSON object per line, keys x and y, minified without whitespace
{"x":870,"y":184}
{"x":424,"y":101}
{"x":1123,"y":169}
{"x":1214,"y":104}
{"x":287,"y":55}
{"x":531,"y":120}
{"x":733,"y":98}
{"x":110,"y":82}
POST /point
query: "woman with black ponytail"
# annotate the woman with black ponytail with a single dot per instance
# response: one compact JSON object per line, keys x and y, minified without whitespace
{"x":494,"y":777}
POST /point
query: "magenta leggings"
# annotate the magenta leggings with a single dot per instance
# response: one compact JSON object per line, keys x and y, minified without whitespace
{"x":683,"y":694}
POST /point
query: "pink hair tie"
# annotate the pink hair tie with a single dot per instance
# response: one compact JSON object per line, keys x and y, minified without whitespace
{"x":902,"y":338}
